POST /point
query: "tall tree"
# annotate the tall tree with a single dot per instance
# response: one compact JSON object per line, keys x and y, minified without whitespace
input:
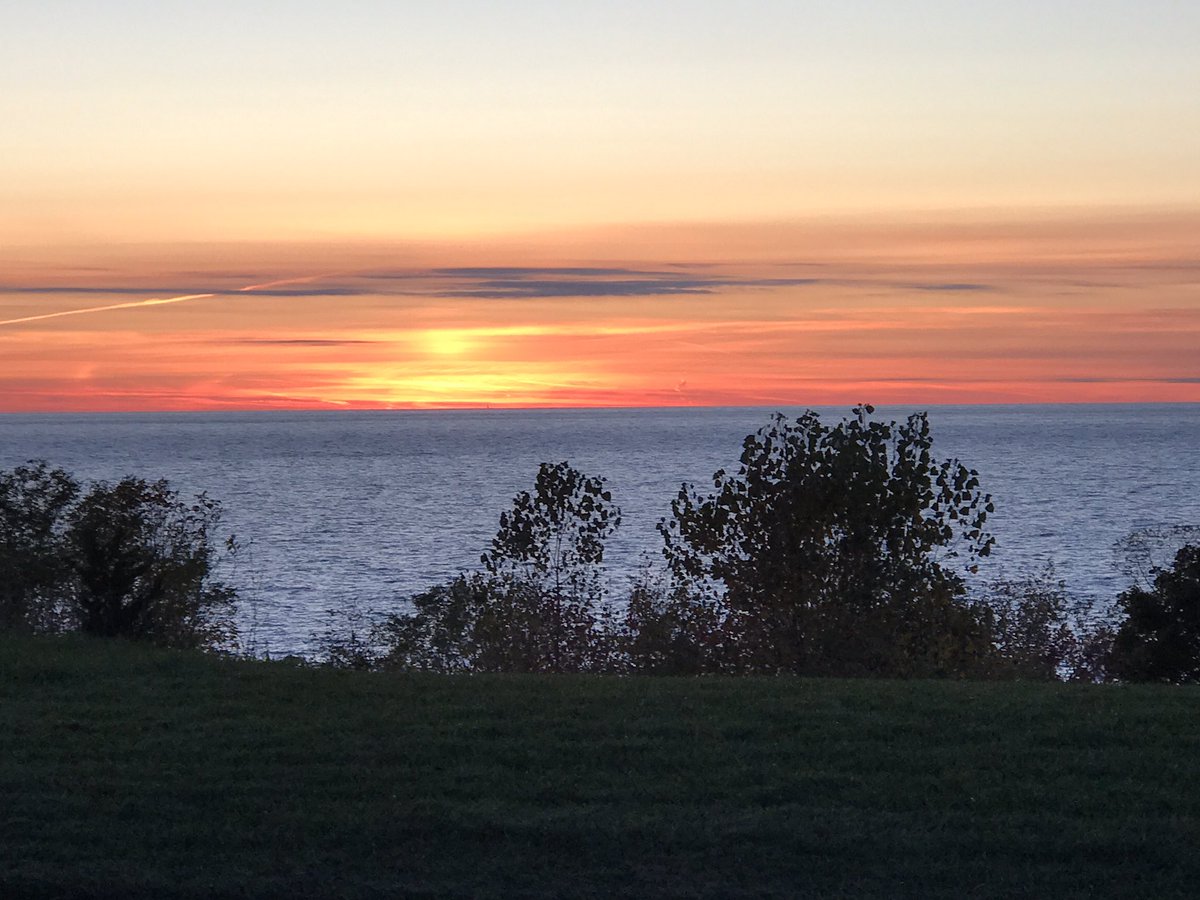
{"x":829,"y":550}
{"x":539,"y":605}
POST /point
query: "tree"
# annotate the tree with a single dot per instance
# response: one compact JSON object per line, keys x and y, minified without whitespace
{"x":130,"y":560}
{"x":483,"y":623}
{"x":34,"y":500}
{"x":539,"y":605}
{"x":830,"y":550}
{"x":1159,"y":639}
{"x":143,"y":562}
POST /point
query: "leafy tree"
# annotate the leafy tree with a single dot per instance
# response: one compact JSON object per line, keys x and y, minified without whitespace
{"x":34,"y":500}
{"x":545,"y":562}
{"x":539,"y":605}
{"x":130,"y":560}
{"x":483,"y":623}
{"x":1159,"y":639}
{"x":830,"y":548}
{"x":439,"y":635}
{"x":1143,"y":553}
{"x":143,"y":561}
{"x":556,"y":532}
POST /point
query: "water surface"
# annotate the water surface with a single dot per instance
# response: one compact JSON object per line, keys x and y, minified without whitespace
{"x":343,"y":508}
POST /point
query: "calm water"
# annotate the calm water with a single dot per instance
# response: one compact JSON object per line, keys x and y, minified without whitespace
{"x":344,"y":508}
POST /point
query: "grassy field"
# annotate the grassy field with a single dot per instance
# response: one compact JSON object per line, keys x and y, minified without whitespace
{"x":129,"y":772}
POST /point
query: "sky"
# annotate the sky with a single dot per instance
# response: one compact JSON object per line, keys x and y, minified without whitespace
{"x":366,"y":204}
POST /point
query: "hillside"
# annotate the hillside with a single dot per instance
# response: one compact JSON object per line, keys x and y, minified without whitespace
{"x":132,"y":772}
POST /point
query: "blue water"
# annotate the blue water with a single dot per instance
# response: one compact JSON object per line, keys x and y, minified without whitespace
{"x":360,"y":508}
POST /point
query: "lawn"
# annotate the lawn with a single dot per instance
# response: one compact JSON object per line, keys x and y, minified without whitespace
{"x":132,"y":772}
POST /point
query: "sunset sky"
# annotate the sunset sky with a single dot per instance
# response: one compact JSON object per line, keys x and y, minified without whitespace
{"x":389,"y":204}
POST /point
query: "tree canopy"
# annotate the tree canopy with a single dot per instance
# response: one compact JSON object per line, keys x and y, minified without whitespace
{"x":830,"y":549}
{"x":538,"y":606}
{"x":131,"y":559}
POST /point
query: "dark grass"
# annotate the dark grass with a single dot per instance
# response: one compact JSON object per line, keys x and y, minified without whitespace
{"x":129,"y":772}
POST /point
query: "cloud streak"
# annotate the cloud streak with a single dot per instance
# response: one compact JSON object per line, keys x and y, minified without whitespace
{"x":296,"y":342}
{"x":473,"y":283}
{"x":488,"y":282}
{"x":503,"y":289}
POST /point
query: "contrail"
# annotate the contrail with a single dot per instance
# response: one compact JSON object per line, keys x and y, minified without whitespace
{"x":305,"y":279}
{"x":161,"y":301}
{"x":158,"y":301}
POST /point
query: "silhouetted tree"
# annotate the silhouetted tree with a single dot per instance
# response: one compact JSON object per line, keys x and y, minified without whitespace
{"x":130,"y":560}
{"x":349,"y":641}
{"x":1143,"y":553}
{"x":143,"y":561}
{"x":1159,"y":639}
{"x":828,"y":550}
{"x":34,"y":575}
{"x":672,"y":628}
{"x":539,"y":606}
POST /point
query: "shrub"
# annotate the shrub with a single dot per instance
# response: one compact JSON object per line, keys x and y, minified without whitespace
{"x":1159,"y":639}
{"x":349,"y":641}
{"x":1040,"y":634}
{"x":672,"y":628}
{"x":1143,"y":553}
{"x":143,"y":562}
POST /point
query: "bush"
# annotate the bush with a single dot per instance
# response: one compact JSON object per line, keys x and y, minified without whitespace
{"x":1040,"y":634}
{"x":672,"y":628}
{"x":1143,"y":553}
{"x":826,"y":552}
{"x":125,"y":560}
{"x":143,"y":562}
{"x":349,"y":641}
{"x":1159,"y":639}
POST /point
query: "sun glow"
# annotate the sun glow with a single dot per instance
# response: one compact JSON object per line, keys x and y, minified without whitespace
{"x":528,"y":385}
{"x":445,"y":341}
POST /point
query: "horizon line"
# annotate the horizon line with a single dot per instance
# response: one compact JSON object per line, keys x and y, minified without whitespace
{"x":339,"y":409}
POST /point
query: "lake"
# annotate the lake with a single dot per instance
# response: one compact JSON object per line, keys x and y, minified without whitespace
{"x":342,"y":509}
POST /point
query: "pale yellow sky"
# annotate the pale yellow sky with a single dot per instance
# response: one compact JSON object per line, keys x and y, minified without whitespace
{"x":266,"y":121}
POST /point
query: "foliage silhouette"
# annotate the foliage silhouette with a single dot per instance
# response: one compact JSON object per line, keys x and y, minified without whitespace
{"x":540,"y":604}
{"x":348,"y":641}
{"x":34,"y":500}
{"x":1040,"y":634}
{"x":1143,"y":553}
{"x":670,"y":628}
{"x":143,"y":560}
{"x":826,"y":552}
{"x":129,"y":559}
{"x":1159,"y":639}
